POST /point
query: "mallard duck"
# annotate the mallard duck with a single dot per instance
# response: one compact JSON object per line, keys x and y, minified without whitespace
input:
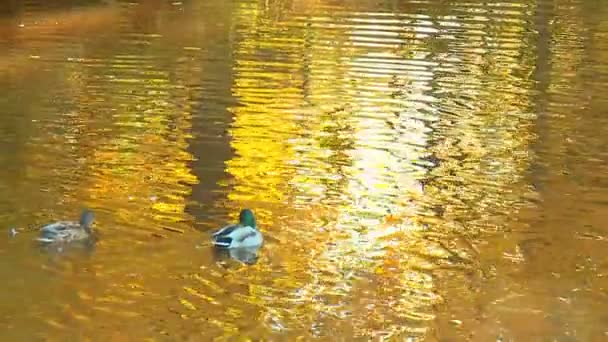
{"x":68,"y":231}
{"x":239,"y":235}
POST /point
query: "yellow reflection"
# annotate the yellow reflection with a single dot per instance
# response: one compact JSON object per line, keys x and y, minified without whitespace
{"x":140,"y":161}
{"x":337,"y":138}
{"x":341,"y":123}
{"x":340,"y":110}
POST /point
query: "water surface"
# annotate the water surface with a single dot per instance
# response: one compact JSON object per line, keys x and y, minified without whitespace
{"x":433,"y":170}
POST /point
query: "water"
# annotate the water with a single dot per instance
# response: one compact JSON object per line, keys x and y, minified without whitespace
{"x":429,"y":170}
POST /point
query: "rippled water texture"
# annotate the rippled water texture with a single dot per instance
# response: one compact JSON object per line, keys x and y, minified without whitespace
{"x":426,"y":169}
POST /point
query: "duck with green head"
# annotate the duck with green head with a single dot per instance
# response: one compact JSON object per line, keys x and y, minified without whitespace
{"x":244,"y":234}
{"x":68,"y":231}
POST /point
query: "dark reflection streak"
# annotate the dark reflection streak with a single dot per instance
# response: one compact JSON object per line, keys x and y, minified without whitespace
{"x":432,"y":140}
{"x":306,"y":61}
{"x":541,"y":75}
{"x":210,"y":143}
{"x":339,"y":143}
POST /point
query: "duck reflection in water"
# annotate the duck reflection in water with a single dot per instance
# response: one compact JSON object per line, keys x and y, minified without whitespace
{"x":246,"y":255}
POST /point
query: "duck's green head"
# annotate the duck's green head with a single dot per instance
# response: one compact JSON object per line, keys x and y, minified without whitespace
{"x":246,"y":218}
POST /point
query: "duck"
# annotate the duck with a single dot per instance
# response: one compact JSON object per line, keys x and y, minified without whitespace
{"x":68,"y":231}
{"x":244,"y":234}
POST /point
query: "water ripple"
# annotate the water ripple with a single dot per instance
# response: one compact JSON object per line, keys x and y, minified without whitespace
{"x":381,"y":146}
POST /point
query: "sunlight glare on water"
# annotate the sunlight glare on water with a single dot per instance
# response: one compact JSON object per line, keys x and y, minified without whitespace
{"x":420,"y":169}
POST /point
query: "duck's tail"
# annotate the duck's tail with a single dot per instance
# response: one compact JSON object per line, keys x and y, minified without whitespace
{"x":45,"y":239}
{"x":222,"y":241}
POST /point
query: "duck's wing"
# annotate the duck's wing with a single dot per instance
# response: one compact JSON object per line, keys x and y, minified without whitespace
{"x":234,"y":236}
{"x":55,"y":228}
{"x":225,"y":231}
{"x":245,"y":233}
{"x":222,"y":238}
{"x":63,"y":230}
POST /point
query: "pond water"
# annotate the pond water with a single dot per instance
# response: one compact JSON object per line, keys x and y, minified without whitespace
{"x":422,"y":170}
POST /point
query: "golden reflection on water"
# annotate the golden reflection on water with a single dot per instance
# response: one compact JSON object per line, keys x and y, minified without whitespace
{"x":384,"y":148}
{"x":352,"y":165}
